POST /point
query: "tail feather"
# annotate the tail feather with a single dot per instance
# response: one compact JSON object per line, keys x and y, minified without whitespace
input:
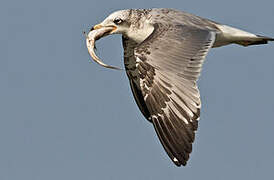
{"x":258,"y":40}
{"x":230,"y":35}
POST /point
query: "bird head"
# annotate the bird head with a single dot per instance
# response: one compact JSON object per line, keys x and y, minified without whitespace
{"x":130,"y":23}
{"x":118,"y":21}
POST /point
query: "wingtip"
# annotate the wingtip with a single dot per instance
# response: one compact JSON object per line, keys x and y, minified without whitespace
{"x":179,"y":164}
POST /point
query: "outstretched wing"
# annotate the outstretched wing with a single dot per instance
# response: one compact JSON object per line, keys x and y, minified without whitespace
{"x":163,"y":71}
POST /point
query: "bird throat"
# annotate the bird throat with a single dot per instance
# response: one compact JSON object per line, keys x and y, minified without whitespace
{"x":139,"y":34}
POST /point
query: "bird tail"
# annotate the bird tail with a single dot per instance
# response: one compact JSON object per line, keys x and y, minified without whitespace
{"x":257,"y":40}
{"x":230,"y":35}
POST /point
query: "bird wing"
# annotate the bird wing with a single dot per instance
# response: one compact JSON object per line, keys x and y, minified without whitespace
{"x":163,"y":71}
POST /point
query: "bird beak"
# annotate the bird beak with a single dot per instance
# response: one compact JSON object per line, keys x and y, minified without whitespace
{"x":99,"y":26}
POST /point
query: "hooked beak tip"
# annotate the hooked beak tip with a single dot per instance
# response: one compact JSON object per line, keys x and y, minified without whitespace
{"x":98,"y":26}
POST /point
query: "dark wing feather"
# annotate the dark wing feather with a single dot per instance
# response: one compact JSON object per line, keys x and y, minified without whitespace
{"x":163,"y":71}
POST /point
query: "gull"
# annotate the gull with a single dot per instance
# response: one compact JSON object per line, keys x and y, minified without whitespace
{"x":164,"y":50}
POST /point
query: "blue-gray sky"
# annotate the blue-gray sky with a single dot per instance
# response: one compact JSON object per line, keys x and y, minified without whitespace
{"x":63,"y":118}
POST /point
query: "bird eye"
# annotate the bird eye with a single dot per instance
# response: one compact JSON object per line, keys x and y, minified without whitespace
{"x":117,"y":21}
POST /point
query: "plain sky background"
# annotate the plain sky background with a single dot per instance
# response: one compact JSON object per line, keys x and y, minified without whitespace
{"x":63,"y":118}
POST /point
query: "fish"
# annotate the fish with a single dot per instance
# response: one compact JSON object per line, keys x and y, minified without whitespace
{"x":91,"y":38}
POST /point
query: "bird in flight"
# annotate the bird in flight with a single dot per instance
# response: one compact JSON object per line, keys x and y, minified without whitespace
{"x":164,"y":50}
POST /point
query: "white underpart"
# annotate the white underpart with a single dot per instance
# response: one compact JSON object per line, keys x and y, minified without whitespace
{"x":234,"y":32}
{"x":231,"y":34}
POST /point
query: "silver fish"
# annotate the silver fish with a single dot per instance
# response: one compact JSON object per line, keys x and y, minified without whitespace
{"x":93,"y":36}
